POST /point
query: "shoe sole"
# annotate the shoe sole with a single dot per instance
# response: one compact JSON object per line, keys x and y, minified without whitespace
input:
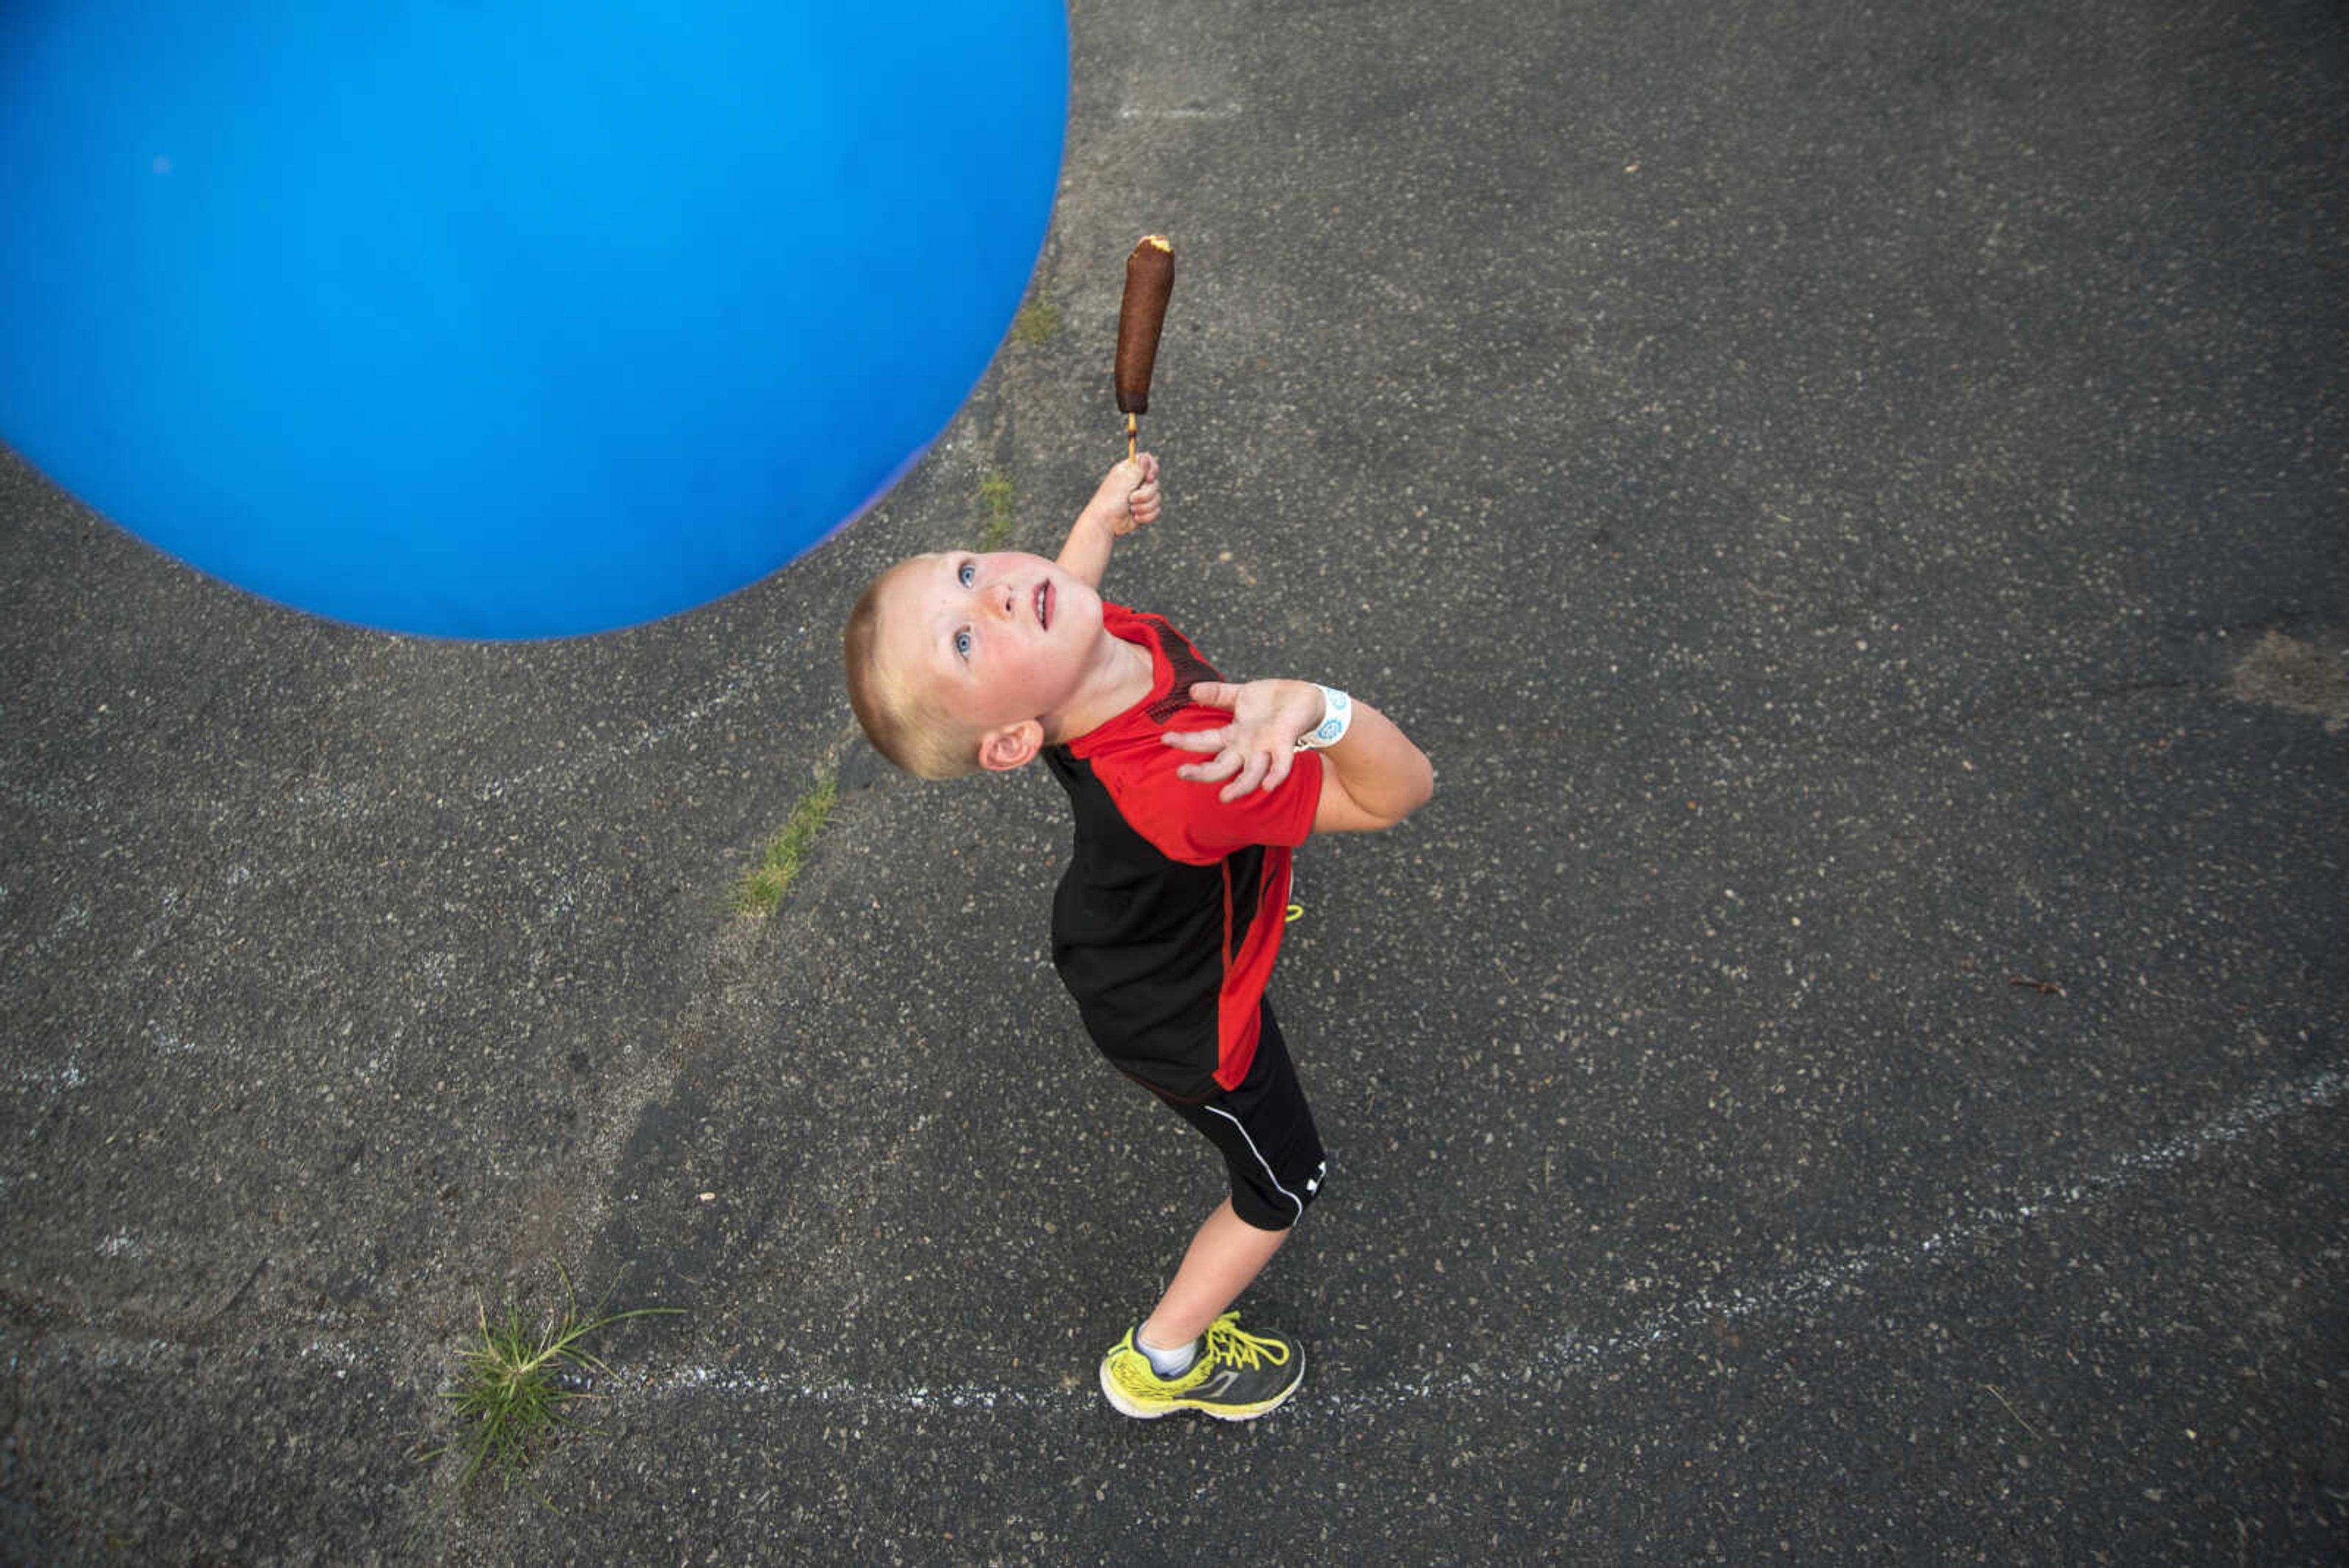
{"x":1111,"y":1392}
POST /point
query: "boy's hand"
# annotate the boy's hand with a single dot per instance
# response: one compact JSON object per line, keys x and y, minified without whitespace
{"x":1129,"y":498}
{"x":1258,"y":748}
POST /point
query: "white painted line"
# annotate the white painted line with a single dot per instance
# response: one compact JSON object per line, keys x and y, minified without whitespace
{"x":1181,"y":111}
{"x":358,"y":802}
{"x":1572,"y":1353}
{"x":698,"y":1379}
{"x":570,"y":771}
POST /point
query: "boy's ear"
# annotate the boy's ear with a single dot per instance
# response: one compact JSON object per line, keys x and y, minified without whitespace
{"x":1012,"y":746}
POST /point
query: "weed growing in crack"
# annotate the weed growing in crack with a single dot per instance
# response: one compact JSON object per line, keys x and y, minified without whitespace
{"x":761,"y":892}
{"x":509,"y":1397}
{"x":996,"y":498}
{"x":1039,"y":321}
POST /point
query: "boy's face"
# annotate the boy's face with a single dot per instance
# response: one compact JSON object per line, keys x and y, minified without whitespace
{"x":993,"y":640}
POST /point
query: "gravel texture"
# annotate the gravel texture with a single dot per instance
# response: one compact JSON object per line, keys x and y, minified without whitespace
{"x":1851,"y":497}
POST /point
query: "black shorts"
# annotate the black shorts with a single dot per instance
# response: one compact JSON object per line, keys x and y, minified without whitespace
{"x":1265,"y":1131}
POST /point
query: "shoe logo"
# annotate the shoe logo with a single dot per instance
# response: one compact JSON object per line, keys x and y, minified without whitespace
{"x":1215,"y":1386}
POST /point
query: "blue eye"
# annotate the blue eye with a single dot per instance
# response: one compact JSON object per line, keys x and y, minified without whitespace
{"x":962,"y":643}
{"x":967,"y":573}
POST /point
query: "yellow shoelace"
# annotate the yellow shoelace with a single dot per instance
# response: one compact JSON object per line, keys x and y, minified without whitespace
{"x":1229,"y":1343}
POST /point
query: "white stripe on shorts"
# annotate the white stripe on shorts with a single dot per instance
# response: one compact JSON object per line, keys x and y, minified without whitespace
{"x":1269,"y":1173}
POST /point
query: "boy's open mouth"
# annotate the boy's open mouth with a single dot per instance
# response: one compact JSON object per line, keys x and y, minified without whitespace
{"x":1044,"y":606}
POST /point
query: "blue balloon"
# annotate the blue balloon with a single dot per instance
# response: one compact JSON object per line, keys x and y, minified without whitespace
{"x":509,"y":319}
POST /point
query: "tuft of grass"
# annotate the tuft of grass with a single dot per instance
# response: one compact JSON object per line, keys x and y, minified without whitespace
{"x":1039,"y":321}
{"x":508,"y":1398}
{"x":761,"y":892}
{"x":996,"y":499}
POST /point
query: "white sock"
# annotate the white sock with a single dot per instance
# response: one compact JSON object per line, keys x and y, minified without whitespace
{"x":1167,"y":1363}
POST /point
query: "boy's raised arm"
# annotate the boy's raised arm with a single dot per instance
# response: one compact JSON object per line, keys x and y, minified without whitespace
{"x":1128,"y":499}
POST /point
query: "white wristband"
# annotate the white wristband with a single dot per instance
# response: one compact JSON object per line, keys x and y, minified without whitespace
{"x":1337,"y":718}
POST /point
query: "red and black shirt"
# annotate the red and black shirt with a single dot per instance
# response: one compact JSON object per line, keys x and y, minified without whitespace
{"x":1169,"y":915}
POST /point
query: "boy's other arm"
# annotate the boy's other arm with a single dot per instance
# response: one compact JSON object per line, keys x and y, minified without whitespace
{"x":1128,"y":499}
{"x":1371,"y":778}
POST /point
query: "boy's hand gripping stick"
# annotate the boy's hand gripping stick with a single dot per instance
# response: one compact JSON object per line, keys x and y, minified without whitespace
{"x":1149,"y":280}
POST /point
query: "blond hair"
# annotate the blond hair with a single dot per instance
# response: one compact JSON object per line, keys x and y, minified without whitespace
{"x":901,"y":720}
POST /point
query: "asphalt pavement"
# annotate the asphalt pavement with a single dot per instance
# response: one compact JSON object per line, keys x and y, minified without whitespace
{"x":1850,"y":1067}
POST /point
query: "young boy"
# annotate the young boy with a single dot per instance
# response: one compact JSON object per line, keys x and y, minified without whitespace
{"x":1189,"y":792}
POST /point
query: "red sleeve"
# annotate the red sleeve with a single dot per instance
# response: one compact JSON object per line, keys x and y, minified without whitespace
{"x":1185,"y":821}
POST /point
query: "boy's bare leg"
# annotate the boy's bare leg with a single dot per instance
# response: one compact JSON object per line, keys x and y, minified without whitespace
{"x":1227,"y":1253}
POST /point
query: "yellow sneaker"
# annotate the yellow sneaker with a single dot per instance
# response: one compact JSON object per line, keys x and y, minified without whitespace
{"x":1238,"y":1376}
